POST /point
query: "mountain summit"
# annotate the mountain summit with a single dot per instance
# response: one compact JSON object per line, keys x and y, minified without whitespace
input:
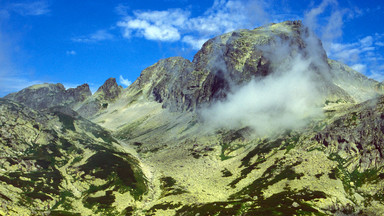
{"x":261,"y":122}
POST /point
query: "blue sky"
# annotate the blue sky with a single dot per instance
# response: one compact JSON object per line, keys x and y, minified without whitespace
{"x":88,"y":41}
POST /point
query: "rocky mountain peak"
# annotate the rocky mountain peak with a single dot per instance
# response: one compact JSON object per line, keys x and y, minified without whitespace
{"x":232,"y":60}
{"x":47,"y":95}
{"x":110,"y":89}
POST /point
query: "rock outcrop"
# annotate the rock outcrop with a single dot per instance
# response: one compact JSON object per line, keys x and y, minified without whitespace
{"x":106,"y":94}
{"x":359,"y":133}
{"x":44,"y":96}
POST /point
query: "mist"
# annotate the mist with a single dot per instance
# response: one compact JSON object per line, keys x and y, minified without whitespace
{"x":287,"y":98}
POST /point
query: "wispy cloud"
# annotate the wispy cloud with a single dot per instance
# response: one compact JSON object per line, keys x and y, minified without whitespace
{"x":71,"y":52}
{"x":13,"y":84}
{"x":100,"y":35}
{"x":363,"y":55}
{"x":14,"y":77}
{"x":124,"y":81}
{"x":35,"y":8}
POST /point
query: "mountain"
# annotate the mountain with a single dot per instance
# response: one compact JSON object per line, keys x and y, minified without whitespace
{"x":48,"y":95}
{"x":261,"y":122}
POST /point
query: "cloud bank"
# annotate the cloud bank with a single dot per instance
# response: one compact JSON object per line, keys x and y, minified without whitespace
{"x":287,"y":98}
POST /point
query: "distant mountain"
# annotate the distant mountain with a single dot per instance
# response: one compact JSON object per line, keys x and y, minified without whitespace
{"x":47,"y":95}
{"x":261,"y":122}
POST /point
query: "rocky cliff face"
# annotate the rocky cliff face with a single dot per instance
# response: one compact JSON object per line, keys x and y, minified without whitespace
{"x":49,"y":95}
{"x":358,"y":134}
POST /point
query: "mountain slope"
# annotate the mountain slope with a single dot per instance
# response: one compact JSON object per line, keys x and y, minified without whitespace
{"x":59,"y":163}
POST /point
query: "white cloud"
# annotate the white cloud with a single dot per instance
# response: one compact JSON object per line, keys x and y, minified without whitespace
{"x":31,"y":8}
{"x":361,"y":55}
{"x":124,"y":82}
{"x":195,"y":43}
{"x":10,"y":83}
{"x":359,"y":67}
{"x":377,"y":75}
{"x":100,"y":35}
{"x":285,"y":99}
{"x":155,"y":25}
{"x":312,"y":16}
{"x":122,"y":9}
{"x":367,"y":41}
{"x":71,"y":52}
{"x":178,"y":24}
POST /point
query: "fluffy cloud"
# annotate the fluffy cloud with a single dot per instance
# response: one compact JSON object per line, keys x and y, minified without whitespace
{"x":124,"y":82}
{"x":155,"y":25}
{"x":178,"y":24}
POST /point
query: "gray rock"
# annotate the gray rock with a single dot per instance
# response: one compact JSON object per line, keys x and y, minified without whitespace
{"x":106,"y":94}
{"x":44,"y":96}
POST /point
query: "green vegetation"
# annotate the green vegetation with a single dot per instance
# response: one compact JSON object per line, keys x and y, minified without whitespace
{"x":120,"y":173}
{"x":67,"y":120}
{"x":169,"y":188}
{"x":163,"y":206}
{"x":64,"y":200}
{"x":355,"y":179}
{"x":285,"y":203}
{"x":102,"y":202}
{"x":226,"y":173}
{"x":63,"y":213}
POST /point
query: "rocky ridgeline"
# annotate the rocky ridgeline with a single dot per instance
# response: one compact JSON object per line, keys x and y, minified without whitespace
{"x":106,"y":94}
{"x":44,"y":96}
{"x":235,"y":58}
{"x":80,"y":99}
